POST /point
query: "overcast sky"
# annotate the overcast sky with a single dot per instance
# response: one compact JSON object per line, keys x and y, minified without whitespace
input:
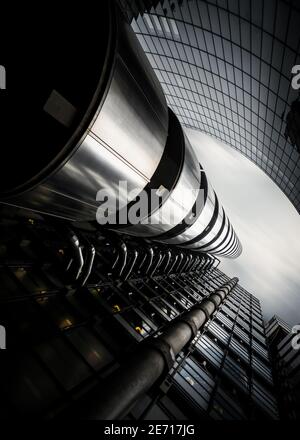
{"x":265,"y":221}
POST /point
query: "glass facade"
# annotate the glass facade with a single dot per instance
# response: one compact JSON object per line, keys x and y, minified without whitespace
{"x":225,"y":67}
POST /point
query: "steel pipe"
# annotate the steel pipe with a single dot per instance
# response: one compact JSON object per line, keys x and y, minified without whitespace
{"x":152,"y":360}
{"x":99,"y":148}
{"x":112,"y":128}
{"x":91,"y":251}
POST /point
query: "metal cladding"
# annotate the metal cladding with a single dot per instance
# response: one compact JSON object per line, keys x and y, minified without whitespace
{"x":116,"y":127}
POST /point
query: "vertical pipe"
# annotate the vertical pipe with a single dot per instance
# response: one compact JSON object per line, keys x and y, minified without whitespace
{"x":153,"y":358}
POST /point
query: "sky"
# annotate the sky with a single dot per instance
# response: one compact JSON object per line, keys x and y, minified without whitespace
{"x":266,"y":223}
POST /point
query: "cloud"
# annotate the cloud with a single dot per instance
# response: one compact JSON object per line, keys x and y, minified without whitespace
{"x":266,"y":222}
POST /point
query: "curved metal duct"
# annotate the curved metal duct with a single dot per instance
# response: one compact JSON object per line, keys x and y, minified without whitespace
{"x":111,"y":126}
{"x":101,"y":118}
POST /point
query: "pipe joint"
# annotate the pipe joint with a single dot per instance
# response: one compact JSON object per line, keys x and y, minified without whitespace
{"x":191,"y":323}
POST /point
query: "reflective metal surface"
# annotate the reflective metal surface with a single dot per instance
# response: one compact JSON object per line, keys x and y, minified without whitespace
{"x":227,"y":241}
{"x":229,"y":246}
{"x":124,"y":141}
{"x":200,"y":224}
{"x":124,"y":134}
{"x":219,"y":241}
{"x":215,"y":229}
{"x":178,"y":204}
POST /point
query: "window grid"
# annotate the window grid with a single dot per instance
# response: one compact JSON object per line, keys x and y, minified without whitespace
{"x":226,"y":71}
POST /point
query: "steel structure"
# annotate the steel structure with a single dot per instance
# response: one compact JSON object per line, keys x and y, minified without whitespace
{"x":76,"y":304}
{"x":112,"y":127}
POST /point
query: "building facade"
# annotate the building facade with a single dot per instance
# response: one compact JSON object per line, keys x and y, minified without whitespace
{"x":67,"y":335}
{"x":226,"y":70}
{"x":226,"y":373}
{"x":78,"y":301}
{"x":285,"y":355}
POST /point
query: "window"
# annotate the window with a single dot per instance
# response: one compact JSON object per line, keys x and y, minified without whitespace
{"x":219,"y":332}
{"x":261,"y":369}
{"x":264,"y":399}
{"x":260,"y":349}
{"x":228,"y":312}
{"x":174,"y":27}
{"x":196,"y":382}
{"x":243,"y":324}
{"x":259,"y":337}
{"x":157,"y":23}
{"x":226,"y":407}
{"x":222,"y":319}
{"x":210,"y":350}
{"x":239,"y":350}
{"x":149,"y":22}
{"x":235,"y":372}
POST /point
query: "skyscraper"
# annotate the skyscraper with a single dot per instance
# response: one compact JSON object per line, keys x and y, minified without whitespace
{"x":106,"y":318}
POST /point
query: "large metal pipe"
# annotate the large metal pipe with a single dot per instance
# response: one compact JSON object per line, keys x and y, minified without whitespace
{"x":101,"y":136}
{"x":152,"y":360}
{"x":110,"y":125}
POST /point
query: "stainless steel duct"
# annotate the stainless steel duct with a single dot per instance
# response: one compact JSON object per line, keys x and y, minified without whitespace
{"x":97,"y":116}
{"x":117,"y":132}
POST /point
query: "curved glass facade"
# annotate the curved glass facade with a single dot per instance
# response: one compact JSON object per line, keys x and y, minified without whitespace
{"x":225,"y":67}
